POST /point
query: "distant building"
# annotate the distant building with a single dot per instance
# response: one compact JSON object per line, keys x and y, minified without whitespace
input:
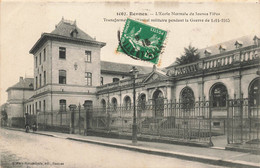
{"x":18,"y":94}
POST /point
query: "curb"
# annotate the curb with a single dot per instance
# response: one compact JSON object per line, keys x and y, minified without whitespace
{"x":179,"y":155}
{"x":245,"y":150}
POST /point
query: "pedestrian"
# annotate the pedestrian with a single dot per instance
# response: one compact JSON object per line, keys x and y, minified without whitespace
{"x":27,"y":127}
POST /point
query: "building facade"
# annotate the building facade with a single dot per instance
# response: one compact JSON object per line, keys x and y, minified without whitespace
{"x":229,"y":70}
{"x":68,"y":70}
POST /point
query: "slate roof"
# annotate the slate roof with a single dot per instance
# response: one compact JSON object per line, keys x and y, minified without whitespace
{"x":64,"y":31}
{"x":26,"y":83}
{"x":119,"y":68}
{"x":228,"y":45}
{"x":65,"y":28}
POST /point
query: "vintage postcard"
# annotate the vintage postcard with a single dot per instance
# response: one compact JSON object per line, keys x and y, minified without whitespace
{"x":134,"y":84}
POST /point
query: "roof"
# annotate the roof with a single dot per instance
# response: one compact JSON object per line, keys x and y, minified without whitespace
{"x":66,"y":28}
{"x":119,"y":68}
{"x":227,"y":45}
{"x":26,"y":83}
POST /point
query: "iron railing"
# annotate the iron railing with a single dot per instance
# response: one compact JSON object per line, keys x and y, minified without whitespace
{"x":169,"y":119}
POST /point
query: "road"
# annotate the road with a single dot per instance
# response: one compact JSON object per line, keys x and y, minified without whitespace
{"x":20,"y":149}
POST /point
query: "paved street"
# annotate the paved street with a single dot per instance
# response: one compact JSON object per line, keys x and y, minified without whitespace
{"x":19,"y":149}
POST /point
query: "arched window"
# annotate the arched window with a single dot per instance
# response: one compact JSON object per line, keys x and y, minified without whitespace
{"x":127,"y":103}
{"x":103,"y":106}
{"x":142,"y":101}
{"x":158,"y":103}
{"x":219,"y":95}
{"x":187,"y":97}
{"x":254,"y":92}
{"x":62,"y":105}
{"x":114,"y":104}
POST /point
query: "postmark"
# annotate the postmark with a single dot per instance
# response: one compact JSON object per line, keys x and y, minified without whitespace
{"x":141,"y":41}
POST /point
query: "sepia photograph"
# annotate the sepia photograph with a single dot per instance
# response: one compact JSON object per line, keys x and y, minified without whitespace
{"x":135,"y":84}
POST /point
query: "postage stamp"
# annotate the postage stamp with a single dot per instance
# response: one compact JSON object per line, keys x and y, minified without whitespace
{"x":141,"y":41}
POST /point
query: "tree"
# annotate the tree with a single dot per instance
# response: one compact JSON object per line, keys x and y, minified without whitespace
{"x":190,"y":55}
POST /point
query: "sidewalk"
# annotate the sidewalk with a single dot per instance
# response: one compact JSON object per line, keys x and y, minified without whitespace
{"x":213,"y":156}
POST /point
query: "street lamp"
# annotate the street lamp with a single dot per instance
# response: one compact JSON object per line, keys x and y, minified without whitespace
{"x":134,"y":72}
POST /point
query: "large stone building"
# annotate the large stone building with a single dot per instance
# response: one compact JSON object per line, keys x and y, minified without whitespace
{"x":229,"y":70}
{"x":68,"y":70}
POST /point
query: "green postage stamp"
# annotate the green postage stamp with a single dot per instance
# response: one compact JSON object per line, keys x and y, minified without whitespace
{"x":141,"y":41}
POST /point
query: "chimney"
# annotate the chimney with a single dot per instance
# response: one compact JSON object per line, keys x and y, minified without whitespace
{"x":21,"y":79}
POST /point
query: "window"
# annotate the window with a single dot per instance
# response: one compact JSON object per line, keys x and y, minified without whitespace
{"x":40,"y":59}
{"x":88,"y":78}
{"x":114,"y":104}
{"x":101,"y":81}
{"x":40,"y":105}
{"x":254,"y":93}
{"x":30,"y":109}
{"x":36,"y":108}
{"x":141,"y":101}
{"x":36,"y":61}
{"x":187,"y":97}
{"x":44,"y":54}
{"x":40,"y":80}
{"x":62,"y":77}
{"x":44,"y":105}
{"x":33,"y":108}
{"x":44,"y":77}
{"x":103,"y":106}
{"x":62,"y":105}
{"x":216,"y":124}
{"x":115,"y":79}
{"x":127,"y":103}
{"x":88,"y":56}
{"x":62,"y":53}
{"x":36,"y":82}
{"x":158,"y":103}
{"x":219,"y":95}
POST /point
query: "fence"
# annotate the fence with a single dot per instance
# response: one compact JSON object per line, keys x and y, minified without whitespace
{"x":170,"y":119}
{"x":243,"y":122}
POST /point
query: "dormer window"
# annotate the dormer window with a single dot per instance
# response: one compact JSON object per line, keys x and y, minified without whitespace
{"x":238,"y":44}
{"x":74,"y":33}
{"x":207,"y":52}
{"x":256,"y":41}
{"x":222,"y":48}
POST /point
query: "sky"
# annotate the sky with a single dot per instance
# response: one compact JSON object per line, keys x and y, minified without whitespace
{"x":22,"y":23}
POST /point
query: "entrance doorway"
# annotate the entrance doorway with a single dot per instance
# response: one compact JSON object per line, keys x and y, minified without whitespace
{"x":158,"y":103}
